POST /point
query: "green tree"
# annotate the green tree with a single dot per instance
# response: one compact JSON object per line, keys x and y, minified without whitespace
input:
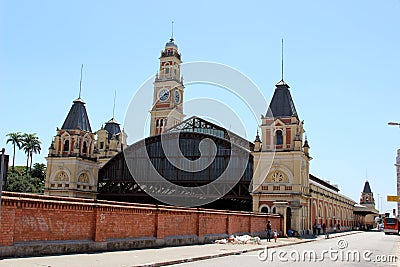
{"x":16,"y":140}
{"x":30,"y":145}
{"x":39,"y":171}
{"x":24,"y":183}
{"x":35,"y":148}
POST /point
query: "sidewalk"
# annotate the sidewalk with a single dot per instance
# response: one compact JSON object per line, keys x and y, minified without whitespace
{"x":158,"y":256}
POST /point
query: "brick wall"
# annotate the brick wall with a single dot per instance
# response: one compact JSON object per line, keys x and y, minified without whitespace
{"x":26,"y":218}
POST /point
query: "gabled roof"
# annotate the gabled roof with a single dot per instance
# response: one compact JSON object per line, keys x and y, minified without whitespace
{"x":199,"y":125}
{"x":367,"y":188}
{"x":77,"y":117}
{"x":282,"y":104}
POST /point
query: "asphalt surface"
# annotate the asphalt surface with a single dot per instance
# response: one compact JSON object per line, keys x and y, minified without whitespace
{"x":364,"y":249}
{"x":212,"y":254}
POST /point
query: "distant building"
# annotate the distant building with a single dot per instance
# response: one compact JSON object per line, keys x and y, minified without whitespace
{"x":365,"y":212}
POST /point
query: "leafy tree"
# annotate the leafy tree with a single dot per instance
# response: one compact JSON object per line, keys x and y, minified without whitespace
{"x":24,"y":183}
{"x":39,"y":171}
{"x":16,"y":140}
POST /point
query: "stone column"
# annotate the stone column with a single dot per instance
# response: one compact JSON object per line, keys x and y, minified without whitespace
{"x":281,"y":209}
{"x":256,"y":202}
{"x":297,"y":219}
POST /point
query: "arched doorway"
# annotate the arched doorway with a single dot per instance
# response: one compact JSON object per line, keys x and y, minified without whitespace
{"x":288,"y":218}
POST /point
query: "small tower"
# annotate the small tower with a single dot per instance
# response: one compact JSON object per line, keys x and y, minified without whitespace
{"x":367,"y":197}
{"x":71,"y":163}
{"x":257,"y":143}
{"x":306,"y":147}
{"x":110,"y":141}
{"x":281,"y":167}
{"x":167,"y":109}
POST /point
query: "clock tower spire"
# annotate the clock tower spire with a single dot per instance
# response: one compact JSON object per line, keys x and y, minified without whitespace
{"x":167,"y":109}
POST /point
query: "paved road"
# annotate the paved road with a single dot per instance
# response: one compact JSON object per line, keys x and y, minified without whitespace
{"x":373,"y":248}
{"x":378,"y":243}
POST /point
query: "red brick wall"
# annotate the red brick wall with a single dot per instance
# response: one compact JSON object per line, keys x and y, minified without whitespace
{"x":40,"y":224}
{"x":212,"y":223}
{"x":30,"y":217}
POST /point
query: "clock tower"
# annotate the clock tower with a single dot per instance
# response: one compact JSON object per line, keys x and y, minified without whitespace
{"x":167,"y":110}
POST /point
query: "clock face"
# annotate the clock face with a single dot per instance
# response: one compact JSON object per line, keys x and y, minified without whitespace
{"x":177,"y":96}
{"x":163,"y":94}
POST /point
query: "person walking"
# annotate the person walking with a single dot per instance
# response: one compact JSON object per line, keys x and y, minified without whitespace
{"x":319,"y":228}
{"x":314,"y":228}
{"x":269,"y":231}
{"x":275,"y":235}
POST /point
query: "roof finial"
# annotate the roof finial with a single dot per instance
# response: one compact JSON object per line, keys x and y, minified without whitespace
{"x":115,"y":94}
{"x":80,"y":83}
{"x":172,"y":32}
{"x":282,"y":59}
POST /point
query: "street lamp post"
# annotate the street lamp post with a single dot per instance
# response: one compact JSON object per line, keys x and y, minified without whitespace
{"x":397,"y":168}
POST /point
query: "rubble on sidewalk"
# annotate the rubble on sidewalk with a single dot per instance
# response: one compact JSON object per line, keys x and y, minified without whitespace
{"x":240,"y":239}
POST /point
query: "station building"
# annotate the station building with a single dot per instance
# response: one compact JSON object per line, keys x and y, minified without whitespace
{"x":277,"y":179}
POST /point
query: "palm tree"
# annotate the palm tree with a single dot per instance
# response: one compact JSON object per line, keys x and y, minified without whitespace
{"x":30,"y":144}
{"x":35,"y":148}
{"x":16,"y":140}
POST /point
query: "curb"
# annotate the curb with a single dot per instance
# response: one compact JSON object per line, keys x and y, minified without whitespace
{"x":207,"y":257}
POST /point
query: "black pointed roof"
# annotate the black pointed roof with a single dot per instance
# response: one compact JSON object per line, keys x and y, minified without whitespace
{"x":77,"y":117}
{"x":112,"y":127}
{"x":367,"y":188}
{"x":282,"y":104}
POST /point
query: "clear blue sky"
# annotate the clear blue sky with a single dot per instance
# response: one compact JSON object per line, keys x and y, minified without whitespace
{"x":342,"y":61}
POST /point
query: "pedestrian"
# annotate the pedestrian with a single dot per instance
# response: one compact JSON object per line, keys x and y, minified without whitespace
{"x":269,"y":231}
{"x":314,"y":228}
{"x":324,"y":228}
{"x":275,"y":235}
{"x":319,"y":228}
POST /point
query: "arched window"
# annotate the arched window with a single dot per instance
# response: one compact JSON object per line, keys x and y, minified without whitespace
{"x":274,"y":210}
{"x":66,"y":145}
{"x":166,"y":68}
{"x":279,"y":137}
{"x":264,"y":209}
{"x":84,"y":147}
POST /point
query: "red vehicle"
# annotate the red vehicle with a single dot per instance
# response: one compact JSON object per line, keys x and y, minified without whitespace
{"x":391,"y":226}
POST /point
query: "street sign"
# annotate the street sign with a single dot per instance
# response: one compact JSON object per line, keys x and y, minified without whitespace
{"x":393,"y":199}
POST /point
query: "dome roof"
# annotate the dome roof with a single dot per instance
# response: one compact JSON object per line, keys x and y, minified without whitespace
{"x":112,"y":127}
{"x":171,"y":43}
